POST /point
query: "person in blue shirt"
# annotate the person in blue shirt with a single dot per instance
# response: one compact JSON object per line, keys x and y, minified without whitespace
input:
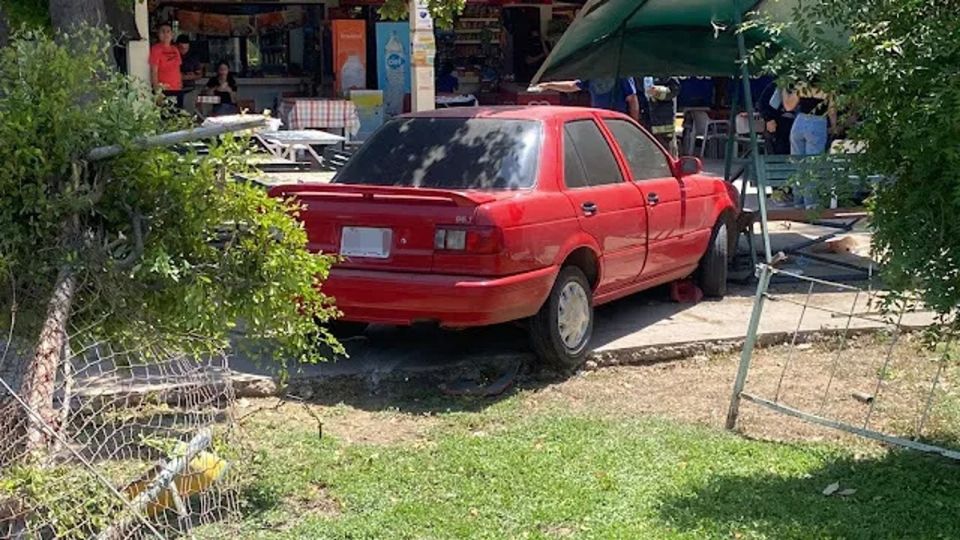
{"x":447,"y":83}
{"x":605,"y":93}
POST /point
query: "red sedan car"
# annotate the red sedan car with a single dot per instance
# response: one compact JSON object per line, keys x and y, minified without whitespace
{"x":471,"y":217}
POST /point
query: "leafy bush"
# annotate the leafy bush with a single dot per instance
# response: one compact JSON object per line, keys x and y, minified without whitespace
{"x":165,"y":248}
{"x":63,"y":502}
{"x":895,"y":76}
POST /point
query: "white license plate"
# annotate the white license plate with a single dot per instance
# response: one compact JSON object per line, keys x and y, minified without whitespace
{"x":369,"y":242}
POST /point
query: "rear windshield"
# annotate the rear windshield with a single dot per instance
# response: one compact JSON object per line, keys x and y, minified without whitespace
{"x":448,"y":153}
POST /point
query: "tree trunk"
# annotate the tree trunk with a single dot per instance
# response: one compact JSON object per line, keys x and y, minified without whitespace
{"x":68,"y":14}
{"x":39,"y":382}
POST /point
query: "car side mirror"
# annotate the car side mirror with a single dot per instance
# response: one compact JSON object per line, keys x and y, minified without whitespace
{"x":690,"y":165}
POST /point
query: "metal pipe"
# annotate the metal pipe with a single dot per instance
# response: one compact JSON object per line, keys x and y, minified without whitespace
{"x":751,"y":341}
{"x":869,"y":434}
{"x":176,"y":137}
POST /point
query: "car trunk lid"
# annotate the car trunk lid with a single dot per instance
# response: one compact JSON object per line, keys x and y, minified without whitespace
{"x":377,"y":227}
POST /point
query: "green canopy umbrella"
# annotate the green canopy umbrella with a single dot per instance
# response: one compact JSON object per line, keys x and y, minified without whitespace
{"x":657,"y":37}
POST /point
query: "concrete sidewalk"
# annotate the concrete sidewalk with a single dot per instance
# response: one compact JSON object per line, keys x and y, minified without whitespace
{"x":644,"y":328}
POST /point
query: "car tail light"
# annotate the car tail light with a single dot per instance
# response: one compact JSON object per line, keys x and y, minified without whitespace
{"x":479,"y":240}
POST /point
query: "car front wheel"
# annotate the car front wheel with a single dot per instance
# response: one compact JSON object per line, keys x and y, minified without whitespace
{"x":712,"y":273}
{"x":561,"y":330}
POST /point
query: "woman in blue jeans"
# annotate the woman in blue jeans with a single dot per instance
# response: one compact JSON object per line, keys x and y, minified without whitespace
{"x":811,"y":130}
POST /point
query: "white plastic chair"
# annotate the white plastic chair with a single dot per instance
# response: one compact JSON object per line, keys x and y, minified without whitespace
{"x":706,"y":130}
{"x":743,"y":129}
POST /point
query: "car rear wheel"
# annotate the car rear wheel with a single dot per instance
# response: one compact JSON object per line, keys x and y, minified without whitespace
{"x":561,"y":330}
{"x":712,"y":273}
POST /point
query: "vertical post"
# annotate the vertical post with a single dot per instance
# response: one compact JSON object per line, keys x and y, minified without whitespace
{"x":138,"y":51}
{"x":761,"y":172}
{"x":732,"y":129}
{"x":423,"y":48}
{"x":616,"y":80}
{"x":748,"y":345}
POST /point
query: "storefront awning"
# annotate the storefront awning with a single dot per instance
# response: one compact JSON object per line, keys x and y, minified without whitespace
{"x":657,"y":38}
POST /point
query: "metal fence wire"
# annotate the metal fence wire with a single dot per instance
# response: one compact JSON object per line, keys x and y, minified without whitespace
{"x":900,"y":390}
{"x":142,"y":445}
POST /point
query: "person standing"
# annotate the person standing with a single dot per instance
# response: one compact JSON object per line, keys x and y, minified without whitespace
{"x":536,"y":53}
{"x":606,"y":93}
{"x":165,"y":65}
{"x":191,"y":68}
{"x":659,"y":111}
{"x":778,"y":120}
{"x":814,"y":118}
{"x":811,"y":131}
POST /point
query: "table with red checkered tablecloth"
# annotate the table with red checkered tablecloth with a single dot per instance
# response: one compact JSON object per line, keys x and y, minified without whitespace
{"x":313,"y":113}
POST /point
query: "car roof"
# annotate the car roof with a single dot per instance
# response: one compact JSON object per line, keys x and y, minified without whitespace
{"x":537,"y":112}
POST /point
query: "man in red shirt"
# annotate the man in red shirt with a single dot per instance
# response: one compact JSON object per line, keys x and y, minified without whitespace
{"x":165,"y":65}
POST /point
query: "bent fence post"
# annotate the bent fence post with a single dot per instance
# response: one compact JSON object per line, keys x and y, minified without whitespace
{"x":176,"y":137}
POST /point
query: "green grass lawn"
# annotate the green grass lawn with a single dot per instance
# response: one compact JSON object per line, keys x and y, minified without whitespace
{"x":512,"y":471}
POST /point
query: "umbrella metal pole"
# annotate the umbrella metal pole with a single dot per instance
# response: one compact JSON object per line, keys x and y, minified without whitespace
{"x":732,"y":129}
{"x":765,"y":270}
{"x":759,"y":170}
{"x":616,"y":80}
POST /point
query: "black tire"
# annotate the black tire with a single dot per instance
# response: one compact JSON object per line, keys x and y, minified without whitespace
{"x":347,"y":329}
{"x":712,"y":272}
{"x":545,"y":336}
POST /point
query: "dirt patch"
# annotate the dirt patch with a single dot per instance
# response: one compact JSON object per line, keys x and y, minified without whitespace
{"x":348,"y":424}
{"x":818,"y":378}
{"x":559,"y":531}
{"x":379,"y":428}
{"x":316,"y":500}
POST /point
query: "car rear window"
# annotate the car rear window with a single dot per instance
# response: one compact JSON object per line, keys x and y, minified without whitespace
{"x":448,"y":153}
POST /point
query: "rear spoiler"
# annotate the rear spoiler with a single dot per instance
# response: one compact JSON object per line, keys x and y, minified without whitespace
{"x":456,"y":198}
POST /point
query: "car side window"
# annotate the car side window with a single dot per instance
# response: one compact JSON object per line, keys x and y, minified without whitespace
{"x":573,"y":175}
{"x":597,"y":166}
{"x":646,"y":160}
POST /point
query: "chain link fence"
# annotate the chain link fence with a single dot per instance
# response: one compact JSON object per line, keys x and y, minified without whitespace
{"x":900,"y":390}
{"x":142,"y":444}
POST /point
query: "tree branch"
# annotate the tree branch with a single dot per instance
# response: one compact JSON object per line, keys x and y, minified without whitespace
{"x":136,"y":222}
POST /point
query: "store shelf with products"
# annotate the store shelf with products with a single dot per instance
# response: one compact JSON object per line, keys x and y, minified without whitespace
{"x":473,"y":48}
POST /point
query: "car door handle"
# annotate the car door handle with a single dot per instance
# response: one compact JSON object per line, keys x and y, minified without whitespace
{"x":653,"y":199}
{"x":589,"y":208}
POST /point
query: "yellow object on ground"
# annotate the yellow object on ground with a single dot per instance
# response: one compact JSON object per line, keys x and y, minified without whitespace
{"x":202,"y":472}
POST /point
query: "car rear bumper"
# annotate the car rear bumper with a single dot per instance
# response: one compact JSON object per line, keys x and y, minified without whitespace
{"x":452,"y":301}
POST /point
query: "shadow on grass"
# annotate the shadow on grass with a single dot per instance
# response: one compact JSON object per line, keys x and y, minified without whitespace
{"x":420,"y":393}
{"x":901,"y":495}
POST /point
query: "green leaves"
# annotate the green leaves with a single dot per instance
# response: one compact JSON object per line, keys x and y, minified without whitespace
{"x":443,"y":11}
{"x":167,"y":248}
{"x":897,"y":84}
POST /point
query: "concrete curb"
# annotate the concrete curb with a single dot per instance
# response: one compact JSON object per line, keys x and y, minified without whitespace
{"x":250,"y":386}
{"x":654,"y":354}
